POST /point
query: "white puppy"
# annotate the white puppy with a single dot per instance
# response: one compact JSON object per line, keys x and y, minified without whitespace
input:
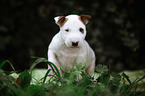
{"x":68,"y":47}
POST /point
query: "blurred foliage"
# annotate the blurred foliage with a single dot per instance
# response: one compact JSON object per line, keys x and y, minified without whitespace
{"x":115,"y":32}
{"x":39,"y":82}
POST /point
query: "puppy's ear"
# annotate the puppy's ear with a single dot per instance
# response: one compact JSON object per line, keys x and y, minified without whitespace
{"x":60,"y":20}
{"x":85,"y":18}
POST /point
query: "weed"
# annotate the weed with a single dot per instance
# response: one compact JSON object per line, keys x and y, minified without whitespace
{"x":73,"y":83}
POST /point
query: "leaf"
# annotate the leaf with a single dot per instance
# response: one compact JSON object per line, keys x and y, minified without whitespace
{"x":126,"y":77}
{"x":104,"y":79}
{"x":24,"y":79}
{"x":135,"y":82}
{"x":143,"y":77}
{"x":101,"y":68}
{"x":3,"y":63}
{"x":115,"y":80}
{"x":19,"y":80}
{"x":37,"y":61}
{"x":54,"y":69}
{"x":8,"y":87}
{"x":116,"y":76}
{"x":46,"y":75}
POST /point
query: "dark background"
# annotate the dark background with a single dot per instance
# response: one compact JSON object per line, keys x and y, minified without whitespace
{"x":115,"y":32}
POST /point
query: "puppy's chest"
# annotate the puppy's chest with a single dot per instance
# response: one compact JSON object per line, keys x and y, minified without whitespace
{"x":67,"y":58}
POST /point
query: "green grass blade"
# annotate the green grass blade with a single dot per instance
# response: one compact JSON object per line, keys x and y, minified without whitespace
{"x":36,"y":80}
{"x":3,"y":63}
{"x":11,"y":65}
{"x":126,"y":77}
{"x":57,"y":73}
{"x":137,"y":80}
{"x":37,"y":61}
{"x":143,"y":77}
{"x":134,"y":82}
{"x":53,"y":67}
{"x":46,"y":76}
{"x":49,"y":76}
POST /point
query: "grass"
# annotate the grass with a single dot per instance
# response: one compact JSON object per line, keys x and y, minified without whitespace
{"x":34,"y":82}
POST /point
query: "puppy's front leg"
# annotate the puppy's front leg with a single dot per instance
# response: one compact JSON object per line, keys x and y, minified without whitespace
{"x":91,"y":68}
{"x":53,"y":58}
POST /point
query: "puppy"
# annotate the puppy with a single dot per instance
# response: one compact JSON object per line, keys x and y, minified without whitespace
{"x":69,"y":47}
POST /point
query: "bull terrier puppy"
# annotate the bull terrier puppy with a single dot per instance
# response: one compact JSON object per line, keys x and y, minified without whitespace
{"x":69,"y":47}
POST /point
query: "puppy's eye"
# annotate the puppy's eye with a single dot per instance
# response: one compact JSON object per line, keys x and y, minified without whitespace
{"x":67,"y":30}
{"x":81,"y":30}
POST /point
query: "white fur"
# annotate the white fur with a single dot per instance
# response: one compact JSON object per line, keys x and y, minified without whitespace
{"x":63,"y":54}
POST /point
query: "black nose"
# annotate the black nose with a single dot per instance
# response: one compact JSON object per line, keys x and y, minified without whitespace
{"x":74,"y":44}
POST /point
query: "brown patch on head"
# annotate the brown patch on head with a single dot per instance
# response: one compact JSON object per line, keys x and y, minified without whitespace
{"x":62,"y":21}
{"x":84,"y":19}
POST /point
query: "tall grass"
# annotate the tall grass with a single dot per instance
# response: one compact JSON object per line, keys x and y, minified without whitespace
{"x":105,"y":84}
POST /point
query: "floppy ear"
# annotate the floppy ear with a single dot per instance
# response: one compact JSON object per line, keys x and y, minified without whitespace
{"x":60,"y":20}
{"x":85,"y":18}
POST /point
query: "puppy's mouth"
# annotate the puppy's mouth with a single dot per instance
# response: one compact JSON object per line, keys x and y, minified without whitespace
{"x":75,"y":47}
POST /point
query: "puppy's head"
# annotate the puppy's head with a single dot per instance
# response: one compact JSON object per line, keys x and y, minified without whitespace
{"x":72,"y":29}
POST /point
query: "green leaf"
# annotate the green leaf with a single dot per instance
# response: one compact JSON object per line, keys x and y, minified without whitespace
{"x":115,"y":80}
{"x":54,"y":69}
{"x":24,"y":79}
{"x":101,"y":68}
{"x":37,"y":61}
{"x":143,"y":77}
{"x":126,"y":77}
{"x":104,"y":79}
{"x":116,"y":76}
{"x":135,"y":82}
{"x":46,"y":75}
{"x":3,"y":63}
